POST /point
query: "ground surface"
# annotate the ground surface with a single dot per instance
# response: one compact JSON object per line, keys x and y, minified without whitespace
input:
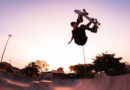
{"x":64,"y":88}
{"x":9,"y":82}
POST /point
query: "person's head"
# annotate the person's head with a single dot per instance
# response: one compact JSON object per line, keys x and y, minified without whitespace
{"x":73,"y":24}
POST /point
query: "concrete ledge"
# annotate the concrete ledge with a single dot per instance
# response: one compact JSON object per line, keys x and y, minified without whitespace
{"x":41,"y":85}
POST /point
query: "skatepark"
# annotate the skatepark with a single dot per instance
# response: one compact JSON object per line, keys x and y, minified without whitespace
{"x":49,"y":30}
{"x":103,"y":83}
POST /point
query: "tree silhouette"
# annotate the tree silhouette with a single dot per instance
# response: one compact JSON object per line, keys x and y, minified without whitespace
{"x":109,"y":64}
{"x":60,"y":70}
{"x":34,"y":68}
{"x":79,"y":69}
{"x":42,"y":65}
{"x":31,"y":69}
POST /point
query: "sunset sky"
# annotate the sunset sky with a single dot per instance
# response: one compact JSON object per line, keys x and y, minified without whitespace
{"x":41,"y":30}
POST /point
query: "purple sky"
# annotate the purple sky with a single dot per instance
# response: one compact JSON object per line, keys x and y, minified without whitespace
{"x":41,"y":30}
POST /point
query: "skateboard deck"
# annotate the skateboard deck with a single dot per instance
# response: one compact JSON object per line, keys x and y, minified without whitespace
{"x":85,"y":14}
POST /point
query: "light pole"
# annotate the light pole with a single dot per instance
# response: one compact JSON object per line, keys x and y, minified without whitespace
{"x":5,"y":47}
{"x":84,"y":64}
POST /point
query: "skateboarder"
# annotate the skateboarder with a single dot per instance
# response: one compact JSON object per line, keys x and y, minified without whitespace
{"x":78,"y":33}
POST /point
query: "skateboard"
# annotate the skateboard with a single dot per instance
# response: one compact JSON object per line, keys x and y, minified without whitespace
{"x":85,"y":14}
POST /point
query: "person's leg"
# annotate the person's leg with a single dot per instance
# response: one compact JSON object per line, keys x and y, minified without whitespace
{"x":86,"y":26}
{"x":95,"y":27}
{"x":80,"y":18}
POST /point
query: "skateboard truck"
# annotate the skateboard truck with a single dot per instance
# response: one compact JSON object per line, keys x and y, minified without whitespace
{"x":86,"y":13}
{"x":95,"y":20}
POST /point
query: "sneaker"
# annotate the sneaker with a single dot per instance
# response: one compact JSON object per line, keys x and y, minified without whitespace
{"x":94,"y":29}
{"x":86,"y":13}
{"x":92,"y":19}
{"x":96,"y":21}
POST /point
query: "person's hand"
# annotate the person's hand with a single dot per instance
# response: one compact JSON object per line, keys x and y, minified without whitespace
{"x":69,"y":42}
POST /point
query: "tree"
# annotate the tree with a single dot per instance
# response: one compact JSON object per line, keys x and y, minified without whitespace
{"x":42,"y":65}
{"x":5,"y":65}
{"x":60,"y":70}
{"x":80,"y":68}
{"x":31,"y":70}
{"x":108,"y":63}
{"x":34,"y":68}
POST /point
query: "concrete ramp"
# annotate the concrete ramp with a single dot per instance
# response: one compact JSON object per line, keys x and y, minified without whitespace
{"x":105,"y":83}
{"x":41,"y":85}
{"x":6,"y":84}
{"x":10,"y":82}
{"x":102,"y":83}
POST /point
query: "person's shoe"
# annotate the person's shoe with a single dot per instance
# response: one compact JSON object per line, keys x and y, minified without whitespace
{"x":85,"y":13}
{"x":96,"y":21}
{"x":95,"y":27}
{"x":92,"y":19}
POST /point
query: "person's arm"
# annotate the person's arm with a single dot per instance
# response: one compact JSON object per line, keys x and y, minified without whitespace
{"x":71,"y":40}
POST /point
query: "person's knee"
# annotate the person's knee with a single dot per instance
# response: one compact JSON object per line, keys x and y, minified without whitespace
{"x":80,"y":20}
{"x":80,"y":17}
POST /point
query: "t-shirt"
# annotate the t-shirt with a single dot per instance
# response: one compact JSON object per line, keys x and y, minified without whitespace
{"x":79,"y":35}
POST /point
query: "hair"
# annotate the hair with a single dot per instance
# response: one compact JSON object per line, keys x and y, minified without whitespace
{"x":72,"y":23}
